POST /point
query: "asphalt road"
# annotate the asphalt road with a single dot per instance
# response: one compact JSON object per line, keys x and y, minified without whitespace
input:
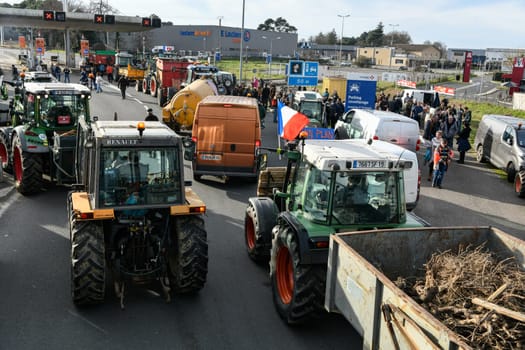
{"x":234,"y":310}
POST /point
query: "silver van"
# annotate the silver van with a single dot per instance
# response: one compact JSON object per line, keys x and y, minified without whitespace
{"x":379,"y":125}
{"x":500,"y":140}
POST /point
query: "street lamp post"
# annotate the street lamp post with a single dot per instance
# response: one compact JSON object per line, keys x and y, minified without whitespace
{"x":271,"y":54}
{"x":341,"y":43}
{"x":392,"y":43}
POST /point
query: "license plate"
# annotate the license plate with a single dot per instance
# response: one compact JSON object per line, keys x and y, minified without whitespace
{"x":369,"y":164}
{"x":64,"y":119}
{"x":210,"y":156}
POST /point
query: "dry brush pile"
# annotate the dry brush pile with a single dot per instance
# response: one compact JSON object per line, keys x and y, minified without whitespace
{"x":475,"y":294}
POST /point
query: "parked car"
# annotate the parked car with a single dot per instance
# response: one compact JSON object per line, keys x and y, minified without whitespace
{"x":500,"y":140}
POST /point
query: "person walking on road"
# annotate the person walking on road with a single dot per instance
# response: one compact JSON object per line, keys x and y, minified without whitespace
{"x":98,"y":82}
{"x":463,"y":142}
{"x":442,"y":157}
{"x":67,"y":71}
{"x":123,"y":84}
{"x":150,"y":117}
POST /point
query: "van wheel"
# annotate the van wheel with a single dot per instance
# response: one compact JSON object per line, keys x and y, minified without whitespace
{"x":519,"y":184}
{"x":511,"y":172}
{"x":480,"y":157}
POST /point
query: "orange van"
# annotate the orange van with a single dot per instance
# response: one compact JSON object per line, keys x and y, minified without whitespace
{"x":227,"y":136}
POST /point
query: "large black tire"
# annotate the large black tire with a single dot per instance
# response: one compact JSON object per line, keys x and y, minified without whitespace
{"x":161,"y":98}
{"x":253,"y":237}
{"x":145,"y":86}
{"x":511,"y":172}
{"x":519,"y":183}
{"x":27,"y":169}
{"x":298,"y":290}
{"x":88,"y":263}
{"x":188,"y":258}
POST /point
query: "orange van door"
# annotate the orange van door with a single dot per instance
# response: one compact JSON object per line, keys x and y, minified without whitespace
{"x":239,"y":141}
{"x":211,"y":131}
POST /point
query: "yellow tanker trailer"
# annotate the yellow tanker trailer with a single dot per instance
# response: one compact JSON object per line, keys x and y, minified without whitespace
{"x":178,"y":114}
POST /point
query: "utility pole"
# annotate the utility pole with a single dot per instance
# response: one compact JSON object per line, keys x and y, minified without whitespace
{"x":242,"y":39}
{"x":341,"y":43}
{"x":392,"y":43}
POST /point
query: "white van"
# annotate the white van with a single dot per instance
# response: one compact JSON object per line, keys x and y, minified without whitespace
{"x":500,"y":140}
{"x":426,"y":96}
{"x":379,"y":125}
{"x":412,"y":175}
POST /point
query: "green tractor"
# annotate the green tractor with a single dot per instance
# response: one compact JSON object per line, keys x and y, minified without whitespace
{"x":328,"y":186}
{"x":39,"y":142}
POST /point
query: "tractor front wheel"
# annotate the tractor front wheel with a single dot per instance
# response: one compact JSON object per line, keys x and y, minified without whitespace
{"x":188,"y":257}
{"x":27,"y":169}
{"x":88,"y":264}
{"x":298,"y":289}
{"x":519,"y":183}
{"x":253,"y":237}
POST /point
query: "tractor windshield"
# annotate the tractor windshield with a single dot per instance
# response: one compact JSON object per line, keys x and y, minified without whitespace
{"x":140,"y":177}
{"x":312,"y":109}
{"x":354,"y":198}
{"x":57,"y":111}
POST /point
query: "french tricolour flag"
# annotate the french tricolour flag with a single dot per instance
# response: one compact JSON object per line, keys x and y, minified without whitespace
{"x":291,"y":122}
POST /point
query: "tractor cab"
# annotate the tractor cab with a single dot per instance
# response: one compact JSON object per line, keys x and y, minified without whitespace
{"x":343,"y":184}
{"x":310,"y":103}
{"x":52,"y":106}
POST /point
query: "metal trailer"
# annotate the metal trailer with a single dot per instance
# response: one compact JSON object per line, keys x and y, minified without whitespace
{"x":361,"y":269}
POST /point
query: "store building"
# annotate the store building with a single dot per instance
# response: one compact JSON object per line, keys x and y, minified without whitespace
{"x":205,"y":40}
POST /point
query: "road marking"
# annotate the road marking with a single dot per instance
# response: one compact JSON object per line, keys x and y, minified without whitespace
{"x":5,"y":204}
{"x":87,"y":321}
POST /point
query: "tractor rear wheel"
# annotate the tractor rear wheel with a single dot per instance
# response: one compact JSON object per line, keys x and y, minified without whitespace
{"x":153,"y":87}
{"x":188,"y":258}
{"x":27,"y":169}
{"x":145,"y":86}
{"x":161,"y":98}
{"x":254,"y":239}
{"x":298,"y":289}
{"x":88,"y":263}
{"x":519,"y":183}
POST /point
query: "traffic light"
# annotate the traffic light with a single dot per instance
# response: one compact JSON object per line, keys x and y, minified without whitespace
{"x":155,"y":22}
{"x":98,"y":19}
{"x":60,"y":16}
{"x":109,"y":19}
{"x":49,"y":15}
{"x":146,"y":22}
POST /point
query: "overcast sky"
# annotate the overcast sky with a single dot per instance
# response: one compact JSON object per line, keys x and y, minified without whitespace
{"x":457,"y":23}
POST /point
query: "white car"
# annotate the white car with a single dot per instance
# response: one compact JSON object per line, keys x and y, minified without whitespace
{"x":39,"y":77}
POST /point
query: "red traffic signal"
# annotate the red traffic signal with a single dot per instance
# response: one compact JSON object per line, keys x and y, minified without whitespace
{"x":98,"y":19}
{"x":49,"y":15}
{"x":146,"y":22}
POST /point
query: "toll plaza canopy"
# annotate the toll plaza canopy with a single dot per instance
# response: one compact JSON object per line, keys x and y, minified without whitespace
{"x":12,"y":17}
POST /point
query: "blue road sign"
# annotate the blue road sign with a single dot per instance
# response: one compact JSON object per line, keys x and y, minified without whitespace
{"x":311,"y":69}
{"x":217,"y":56}
{"x":360,"y":94}
{"x":302,"y":81}
{"x":268,"y":59}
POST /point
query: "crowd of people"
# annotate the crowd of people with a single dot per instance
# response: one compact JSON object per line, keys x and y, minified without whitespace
{"x":443,"y":126}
